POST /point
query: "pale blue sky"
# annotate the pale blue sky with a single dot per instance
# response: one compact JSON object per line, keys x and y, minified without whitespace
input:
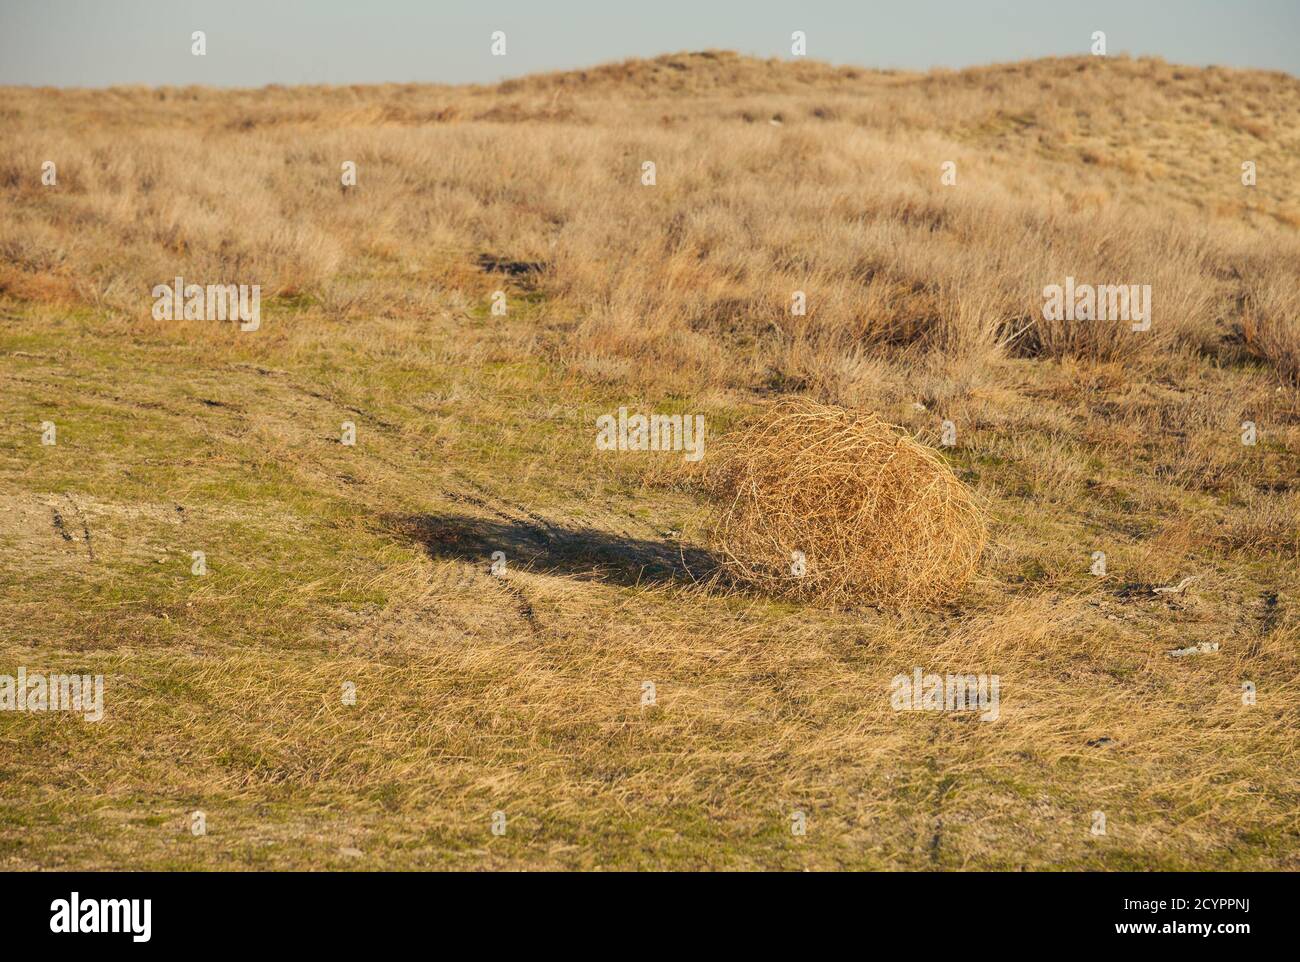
{"x":255,"y":42}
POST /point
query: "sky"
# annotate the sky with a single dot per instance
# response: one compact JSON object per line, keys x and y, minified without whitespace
{"x":96,"y":43}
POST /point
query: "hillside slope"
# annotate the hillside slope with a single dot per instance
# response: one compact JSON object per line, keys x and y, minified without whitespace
{"x":333,"y":568}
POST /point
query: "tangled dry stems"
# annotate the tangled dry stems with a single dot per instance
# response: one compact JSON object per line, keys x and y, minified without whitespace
{"x":879,"y":518}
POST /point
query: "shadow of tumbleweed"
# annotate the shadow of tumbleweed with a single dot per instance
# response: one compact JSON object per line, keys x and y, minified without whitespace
{"x":586,"y":553}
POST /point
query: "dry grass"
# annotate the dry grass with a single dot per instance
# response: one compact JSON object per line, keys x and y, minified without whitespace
{"x":842,"y":201}
{"x":524,"y":694}
{"x":878,"y":518}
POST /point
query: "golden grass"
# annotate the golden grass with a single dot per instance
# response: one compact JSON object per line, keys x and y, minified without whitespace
{"x":524,"y":693}
{"x":842,"y":201}
{"x":877,"y":518}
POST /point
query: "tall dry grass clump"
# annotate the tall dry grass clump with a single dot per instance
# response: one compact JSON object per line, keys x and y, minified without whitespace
{"x":874,"y":516}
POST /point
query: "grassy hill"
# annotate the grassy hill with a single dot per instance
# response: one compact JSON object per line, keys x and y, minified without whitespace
{"x":368,"y":565}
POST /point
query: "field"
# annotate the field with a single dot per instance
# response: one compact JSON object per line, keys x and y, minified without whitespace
{"x":365,"y":568}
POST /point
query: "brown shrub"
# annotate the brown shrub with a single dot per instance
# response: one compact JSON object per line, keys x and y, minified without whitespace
{"x":879,"y":518}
